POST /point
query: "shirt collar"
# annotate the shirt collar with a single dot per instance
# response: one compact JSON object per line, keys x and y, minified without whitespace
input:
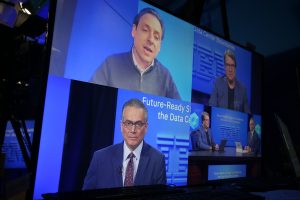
{"x":136,"y":152}
{"x":141,"y":69}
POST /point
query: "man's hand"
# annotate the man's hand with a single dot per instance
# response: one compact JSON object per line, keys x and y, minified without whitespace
{"x":217,"y":147}
{"x":248,"y":149}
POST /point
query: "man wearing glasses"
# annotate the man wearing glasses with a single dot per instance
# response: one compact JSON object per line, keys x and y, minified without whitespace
{"x":228,"y":92}
{"x":132,"y":162}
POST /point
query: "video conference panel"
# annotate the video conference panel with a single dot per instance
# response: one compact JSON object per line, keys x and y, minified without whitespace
{"x":82,"y":116}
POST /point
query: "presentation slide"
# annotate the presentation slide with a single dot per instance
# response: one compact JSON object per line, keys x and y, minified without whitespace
{"x":230,"y":125}
{"x":168,"y":130}
{"x":216,"y":172}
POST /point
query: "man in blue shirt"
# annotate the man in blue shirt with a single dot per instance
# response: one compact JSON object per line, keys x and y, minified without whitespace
{"x":139,"y":69}
{"x":228,"y":92}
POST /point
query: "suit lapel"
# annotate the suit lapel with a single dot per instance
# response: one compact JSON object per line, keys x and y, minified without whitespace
{"x":237,"y":91}
{"x":117,"y":164}
{"x":144,"y":159}
{"x":225,"y":93}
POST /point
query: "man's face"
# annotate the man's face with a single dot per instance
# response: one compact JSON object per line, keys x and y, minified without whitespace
{"x":251,"y":125}
{"x":147,"y":37}
{"x":230,"y":68}
{"x":133,"y":126}
{"x":206,"y":122}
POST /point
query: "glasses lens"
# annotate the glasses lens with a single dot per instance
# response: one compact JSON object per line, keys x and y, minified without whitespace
{"x":130,"y":124}
{"x":230,"y":65}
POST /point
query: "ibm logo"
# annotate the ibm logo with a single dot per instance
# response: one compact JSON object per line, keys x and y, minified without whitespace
{"x":207,"y":62}
{"x":175,"y":149}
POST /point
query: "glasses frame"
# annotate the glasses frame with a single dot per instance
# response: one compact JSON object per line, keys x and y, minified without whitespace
{"x":137,"y":125}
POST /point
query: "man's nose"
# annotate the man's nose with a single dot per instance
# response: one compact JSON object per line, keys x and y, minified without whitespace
{"x":133,"y":128}
{"x":151,"y":37}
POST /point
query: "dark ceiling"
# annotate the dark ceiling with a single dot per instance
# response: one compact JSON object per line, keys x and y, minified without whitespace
{"x":271,"y":26}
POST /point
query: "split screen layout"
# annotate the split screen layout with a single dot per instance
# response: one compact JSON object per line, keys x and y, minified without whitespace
{"x":126,"y":77}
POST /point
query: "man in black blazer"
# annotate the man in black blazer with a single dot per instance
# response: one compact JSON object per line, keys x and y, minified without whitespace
{"x":110,"y":166}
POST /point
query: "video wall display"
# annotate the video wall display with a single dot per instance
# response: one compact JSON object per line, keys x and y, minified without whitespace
{"x":125,"y":77}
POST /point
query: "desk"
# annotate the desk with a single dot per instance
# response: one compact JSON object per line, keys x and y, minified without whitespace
{"x":198,"y":162}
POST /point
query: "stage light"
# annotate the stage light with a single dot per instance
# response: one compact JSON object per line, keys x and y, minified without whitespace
{"x":22,"y":17}
{"x":21,"y":8}
{"x":23,"y":14}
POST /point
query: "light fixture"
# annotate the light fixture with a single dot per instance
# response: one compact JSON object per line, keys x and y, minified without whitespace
{"x":22,"y":14}
{"x":23,"y":9}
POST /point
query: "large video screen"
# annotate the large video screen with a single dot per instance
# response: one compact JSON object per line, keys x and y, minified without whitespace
{"x":107,"y":53}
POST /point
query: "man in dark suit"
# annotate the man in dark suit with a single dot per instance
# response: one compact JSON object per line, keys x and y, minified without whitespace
{"x":228,"y":92}
{"x":253,"y":144}
{"x":202,"y":139}
{"x":132,"y":162}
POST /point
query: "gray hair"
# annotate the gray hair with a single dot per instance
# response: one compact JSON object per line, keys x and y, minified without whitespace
{"x":203,"y":114}
{"x":137,"y":104}
{"x":230,"y":54}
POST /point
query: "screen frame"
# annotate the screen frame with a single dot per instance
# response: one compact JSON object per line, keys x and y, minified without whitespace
{"x":42,"y":97}
{"x":39,"y":121}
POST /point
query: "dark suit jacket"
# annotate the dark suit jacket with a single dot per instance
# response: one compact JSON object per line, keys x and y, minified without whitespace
{"x":219,"y":95}
{"x":199,"y":139}
{"x":254,"y":142}
{"x":105,"y":170}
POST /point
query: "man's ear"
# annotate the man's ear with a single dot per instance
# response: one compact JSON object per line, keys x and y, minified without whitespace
{"x":133,"y":31}
{"x":121,"y":125}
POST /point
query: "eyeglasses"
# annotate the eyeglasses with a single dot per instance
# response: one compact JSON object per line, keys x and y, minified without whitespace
{"x":230,"y":65}
{"x":129,"y":124}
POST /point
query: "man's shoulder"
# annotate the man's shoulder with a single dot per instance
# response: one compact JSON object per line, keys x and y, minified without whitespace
{"x":108,"y":150}
{"x":220,"y":83}
{"x":209,"y":130}
{"x":198,"y":130}
{"x":113,"y":62}
{"x":201,"y":129}
{"x":220,"y":80}
{"x":240,"y":85}
{"x":147,"y":148}
{"x":256,"y":133}
{"x":160,"y":67}
{"x":119,"y":56}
